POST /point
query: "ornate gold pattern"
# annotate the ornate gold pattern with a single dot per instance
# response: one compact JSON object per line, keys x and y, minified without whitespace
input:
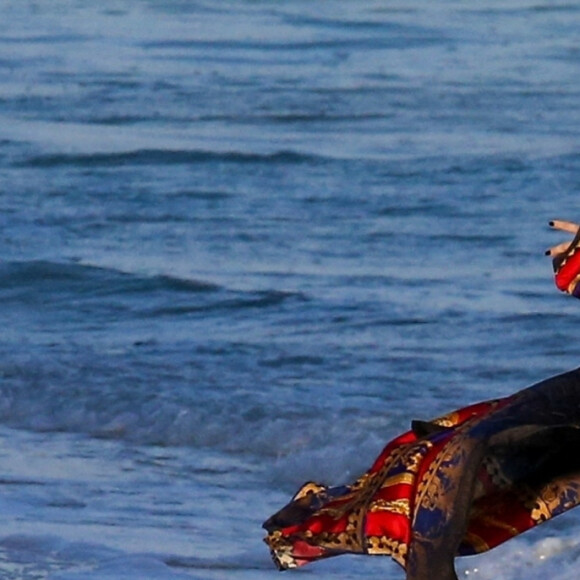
{"x":396,"y":506}
{"x":308,"y":488}
{"x":382,"y":545}
{"x":349,"y":540}
{"x":279,"y":546}
{"x":340,"y":518}
{"x":442,"y":468}
{"x":405,"y":478}
{"x":449,"y":420}
{"x":549,"y":499}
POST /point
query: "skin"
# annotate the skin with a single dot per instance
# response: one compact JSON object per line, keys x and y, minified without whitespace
{"x":564,"y":226}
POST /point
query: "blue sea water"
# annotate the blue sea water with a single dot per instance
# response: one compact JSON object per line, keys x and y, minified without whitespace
{"x":243,"y":243}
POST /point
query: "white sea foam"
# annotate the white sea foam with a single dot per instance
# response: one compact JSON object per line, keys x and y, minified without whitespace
{"x":553,"y":557}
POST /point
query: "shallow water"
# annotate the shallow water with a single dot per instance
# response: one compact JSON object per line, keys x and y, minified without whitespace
{"x":242,"y":245}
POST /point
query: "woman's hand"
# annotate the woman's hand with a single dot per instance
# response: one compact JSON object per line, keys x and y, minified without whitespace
{"x":571,"y":228}
{"x":566,"y":258}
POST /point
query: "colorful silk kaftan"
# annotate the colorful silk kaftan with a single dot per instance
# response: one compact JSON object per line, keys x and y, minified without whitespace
{"x":484,"y":473}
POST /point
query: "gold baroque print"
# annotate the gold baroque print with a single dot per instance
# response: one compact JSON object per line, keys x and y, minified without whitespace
{"x":349,"y":540}
{"x":430,"y":488}
{"x":385,"y":546}
{"x":416,"y":455}
{"x":552,"y":498}
{"x":371,"y":483}
{"x":395,"y":506}
{"x":446,"y":466}
{"x":449,"y":420}
{"x":308,"y":489}
{"x":405,"y":477}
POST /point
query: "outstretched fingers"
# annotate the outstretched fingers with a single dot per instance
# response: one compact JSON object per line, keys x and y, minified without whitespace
{"x":563,"y":226}
{"x":558,"y":249}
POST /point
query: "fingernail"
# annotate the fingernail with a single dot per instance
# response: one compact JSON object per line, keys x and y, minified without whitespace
{"x":547,"y":252}
{"x":551,"y":224}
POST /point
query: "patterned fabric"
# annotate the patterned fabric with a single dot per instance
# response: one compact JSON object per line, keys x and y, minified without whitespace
{"x":567,"y":268}
{"x":523,"y":476}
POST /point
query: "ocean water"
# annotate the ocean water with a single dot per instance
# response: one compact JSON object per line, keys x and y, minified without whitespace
{"x":244,"y":243}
